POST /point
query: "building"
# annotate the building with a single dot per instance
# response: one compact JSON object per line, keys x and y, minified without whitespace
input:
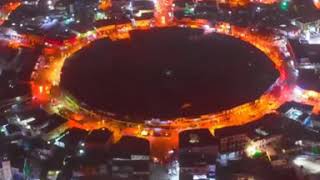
{"x":295,"y":131}
{"x":308,"y":56}
{"x":307,"y":18}
{"x":296,"y":111}
{"x":306,"y":53}
{"x":84,"y":11}
{"x":90,"y":161}
{"x":310,"y":78}
{"x":31,"y":2}
{"x":140,"y":8}
{"x":86,"y":167}
{"x":70,"y":139}
{"x":130,"y":158}
{"x":198,"y":150}
{"x":248,"y":169}
{"x":12,"y":159}
{"x":288,"y":30}
{"x":50,"y":127}
{"x":266,"y":136}
{"x":232,"y":139}
{"x":66,"y":6}
{"x":315,"y":120}
{"x":309,"y":25}
{"x":97,"y":141}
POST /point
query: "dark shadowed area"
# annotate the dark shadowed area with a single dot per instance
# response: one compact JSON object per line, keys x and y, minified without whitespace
{"x":167,"y":73}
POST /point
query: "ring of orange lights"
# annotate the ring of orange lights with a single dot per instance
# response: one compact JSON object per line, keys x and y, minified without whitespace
{"x":46,"y":91}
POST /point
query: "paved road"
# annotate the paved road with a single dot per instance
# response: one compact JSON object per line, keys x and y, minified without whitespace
{"x":159,"y":173}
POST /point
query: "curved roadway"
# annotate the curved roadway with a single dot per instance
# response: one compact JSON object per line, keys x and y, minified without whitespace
{"x":45,"y":82}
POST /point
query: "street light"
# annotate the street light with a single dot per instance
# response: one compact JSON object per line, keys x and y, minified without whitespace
{"x":144,"y":132}
{"x":252,"y":150}
{"x":81,"y":152}
{"x":284,"y":5}
{"x":50,"y":4}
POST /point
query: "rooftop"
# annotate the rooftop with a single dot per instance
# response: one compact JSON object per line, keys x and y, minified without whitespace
{"x":98,"y":136}
{"x":288,"y":105}
{"x":54,"y":122}
{"x":129,"y":145}
{"x":196,"y":138}
{"x":195,"y":159}
{"x":231,"y":131}
{"x":73,"y":136}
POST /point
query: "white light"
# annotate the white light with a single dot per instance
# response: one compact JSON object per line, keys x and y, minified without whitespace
{"x":206,"y":27}
{"x":297,"y":91}
{"x":81,"y":151}
{"x":292,"y":63}
{"x":197,"y":177}
{"x":316,"y":3}
{"x":258,"y":9}
{"x":298,"y":143}
{"x":139,"y":14}
{"x":310,"y":165}
{"x":130,"y":6}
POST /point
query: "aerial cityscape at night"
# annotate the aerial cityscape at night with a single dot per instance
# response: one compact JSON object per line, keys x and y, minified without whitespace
{"x":160,"y":89}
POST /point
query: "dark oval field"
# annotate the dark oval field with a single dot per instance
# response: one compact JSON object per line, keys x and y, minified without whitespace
{"x":167,"y":73}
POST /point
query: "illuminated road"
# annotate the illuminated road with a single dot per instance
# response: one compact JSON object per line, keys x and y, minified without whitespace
{"x":6,"y":10}
{"x":316,"y":3}
{"x":46,"y":87}
{"x":46,"y":78}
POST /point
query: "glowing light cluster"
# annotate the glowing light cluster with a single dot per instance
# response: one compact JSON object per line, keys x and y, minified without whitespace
{"x":105,"y":4}
{"x":242,"y":3}
{"x":237,"y":3}
{"x":264,"y":1}
{"x":252,"y":151}
{"x":6,"y":10}
{"x":316,"y":3}
{"x":163,"y":12}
